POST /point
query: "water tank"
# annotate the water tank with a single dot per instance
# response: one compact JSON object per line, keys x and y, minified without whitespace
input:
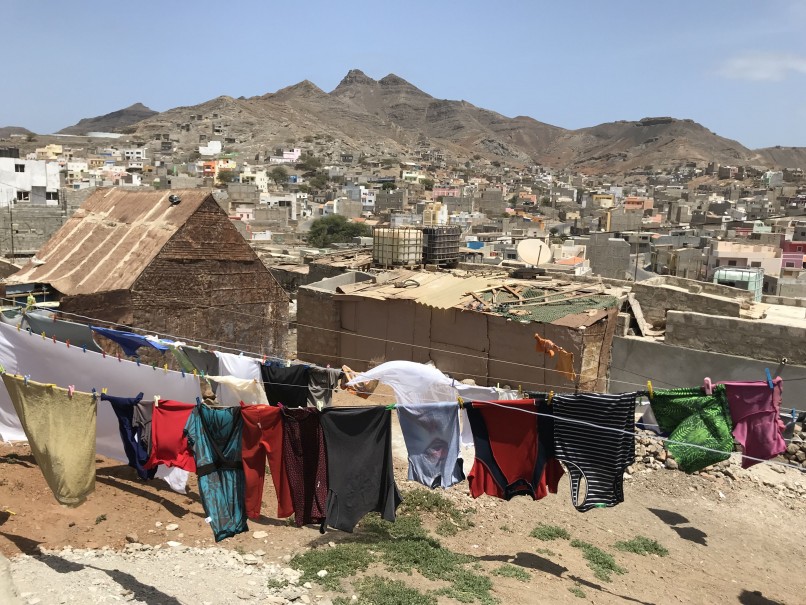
{"x":441,"y":245}
{"x":401,"y":247}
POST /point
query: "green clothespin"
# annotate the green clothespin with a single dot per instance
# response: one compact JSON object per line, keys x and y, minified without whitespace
{"x":391,"y":406}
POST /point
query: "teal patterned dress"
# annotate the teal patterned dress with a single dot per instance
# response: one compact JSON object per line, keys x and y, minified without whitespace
{"x":691,"y":418}
{"x":214,"y":437}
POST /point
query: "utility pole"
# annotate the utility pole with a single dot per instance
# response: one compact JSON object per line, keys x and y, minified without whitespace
{"x":11,"y":227}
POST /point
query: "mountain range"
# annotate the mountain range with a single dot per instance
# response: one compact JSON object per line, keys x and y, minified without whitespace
{"x":391,"y":117}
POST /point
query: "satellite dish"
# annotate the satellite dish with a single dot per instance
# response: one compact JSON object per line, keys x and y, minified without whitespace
{"x":533,"y":252}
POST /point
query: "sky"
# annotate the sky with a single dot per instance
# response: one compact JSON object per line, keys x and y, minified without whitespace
{"x":736,"y":66}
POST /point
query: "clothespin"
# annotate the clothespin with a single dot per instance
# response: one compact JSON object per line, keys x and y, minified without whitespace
{"x":70,"y":390}
{"x":707,"y":386}
{"x":103,"y":391}
{"x":25,"y":379}
{"x":94,"y":393}
{"x":154,"y":365}
{"x":84,"y":348}
{"x":461,"y":402}
{"x":103,"y":353}
{"x":43,"y":335}
{"x":156,"y":401}
{"x":264,"y":359}
{"x":240,"y":353}
{"x":118,"y":356}
{"x":18,"y":327}
{"x":198,"y":400}
{"x":391,"y":406}
{"x":138,"y":362}
{"x":2,"y":369}
{"x":202,"y":373}
{"x":649,"y":388}
{"x":520,"y":390}
{"x":29,"y":331}
{"x":54,"y":339}
{"x":769,"y":378}
{"x":195,"y":373}
{"x":550,"y":397}
{"x":165,"y":367}
{"x":67,"y":342}
{"x":183,"y":372}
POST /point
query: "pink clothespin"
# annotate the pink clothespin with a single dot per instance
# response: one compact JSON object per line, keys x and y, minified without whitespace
{"x":67,"y":342}
{"x":103,"y":353}
{"x":70,"y":390}
{"x":54,"y":339}
{"x":708,"y":387}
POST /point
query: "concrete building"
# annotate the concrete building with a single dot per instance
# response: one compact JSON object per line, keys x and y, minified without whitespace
{"x":465,"y":335}
{"x":733,"y":254}
{"x":134,"y":258}
{"x":609,"y":257}
{"x":34,"y":182}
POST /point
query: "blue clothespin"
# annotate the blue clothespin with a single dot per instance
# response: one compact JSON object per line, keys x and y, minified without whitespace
{"x":198,"y":400}
{"x":94,"y":393}
{"x":84,"y":348}
{"x":202,"y":373}
{"x":183,"y":372}
{"x":25,"y":379}
{"x":138,"y":362}
{"x":769,"y":378}
{"x":29,"y":331}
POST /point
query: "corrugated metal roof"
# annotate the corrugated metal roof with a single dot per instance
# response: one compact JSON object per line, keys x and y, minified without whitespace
{"x":110,"y":240}
{"x":438,"y":290}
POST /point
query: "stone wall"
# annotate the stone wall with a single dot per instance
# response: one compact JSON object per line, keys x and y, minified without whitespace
{"x":749,"y":338}
{"x":658,"y":300}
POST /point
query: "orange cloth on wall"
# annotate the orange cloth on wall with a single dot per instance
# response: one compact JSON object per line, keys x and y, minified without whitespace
{"x":565,"y":360}
{"x":544,"y":345}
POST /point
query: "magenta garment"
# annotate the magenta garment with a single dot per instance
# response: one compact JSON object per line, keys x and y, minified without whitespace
{"x":757,"y":427}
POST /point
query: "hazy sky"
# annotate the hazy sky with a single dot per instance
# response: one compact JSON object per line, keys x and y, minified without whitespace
{"x":736,"y":66}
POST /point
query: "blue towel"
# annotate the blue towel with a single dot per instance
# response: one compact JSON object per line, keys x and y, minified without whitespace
{"x":129,"y":342}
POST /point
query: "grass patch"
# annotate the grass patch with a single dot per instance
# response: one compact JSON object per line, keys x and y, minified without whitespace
{"x":545,"y":551}
{"x":447,"y":528}
{"x":342,"y":561}
{"x":275,"y":584}
{"x":549,"y":532}
{"x":506,"y":528}
{"x":602,"y":563}
{"x":100,"y":519}
{"x":576,"y":591}
{"x":641,"y":545}
{"x":374,"y":590}
{"x":467,"y":587}
{"x":512,"y":571}
{"x":451,"y":519}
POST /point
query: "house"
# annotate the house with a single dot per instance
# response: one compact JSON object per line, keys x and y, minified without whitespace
{"x":29,"y":181}
{"x":471,"y":327}
{"x":135,"y":258}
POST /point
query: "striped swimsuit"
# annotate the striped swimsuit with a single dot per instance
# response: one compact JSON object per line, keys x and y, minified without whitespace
{"x":597,"y":455}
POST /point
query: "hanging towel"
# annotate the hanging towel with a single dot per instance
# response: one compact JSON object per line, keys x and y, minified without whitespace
{"x":262,"y":441}
{"x":412,"y":382}
{"x":692,"y":418}
{"x":514,"y":450}
{"x":321,"y":383}
{"x":288,"y":386}
{"x":360,"y":474}
{"x":214,"y":438}
{"x":61,"y":432}
{"x":239,"y":390}
{"x":599,"y":454}
{"x":755,"y":410}
{"x":169,"y":444}
{"x":130,"y":342}
{"x":131,"y":432}
{"x":79,"y":335}
{"x":431,"y":433}
{"x":305,"y":463}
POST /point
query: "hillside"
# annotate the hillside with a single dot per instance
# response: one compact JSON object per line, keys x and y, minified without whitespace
{"x":7,"y":131}
{"x":116,"y":121}
{"x":392,"y":117}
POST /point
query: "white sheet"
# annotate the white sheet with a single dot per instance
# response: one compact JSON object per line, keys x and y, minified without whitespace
{"x":239,"y":366}
{"x":412,"y":382}
{"x":46,"y":361}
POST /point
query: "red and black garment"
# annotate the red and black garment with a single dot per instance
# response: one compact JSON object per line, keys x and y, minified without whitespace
{"x":514,"y":449}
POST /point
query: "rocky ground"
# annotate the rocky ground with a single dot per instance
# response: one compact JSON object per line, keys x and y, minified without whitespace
{"x":732,"y":535}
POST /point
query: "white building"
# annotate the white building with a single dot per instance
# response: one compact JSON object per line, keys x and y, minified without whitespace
{"x":289,"y":156}
{"x":134,"y":153}
{"x":258,"y":177}
{"x":29,"y":181}
{"x":212,"y":148}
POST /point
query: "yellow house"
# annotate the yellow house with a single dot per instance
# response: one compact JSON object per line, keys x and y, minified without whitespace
{"x":49,"y":152}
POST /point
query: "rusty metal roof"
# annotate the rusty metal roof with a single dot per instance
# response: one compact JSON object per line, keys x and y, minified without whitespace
{"x":109,"y":240}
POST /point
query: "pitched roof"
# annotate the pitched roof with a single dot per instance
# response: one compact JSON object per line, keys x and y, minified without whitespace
{"x":110,"y":240}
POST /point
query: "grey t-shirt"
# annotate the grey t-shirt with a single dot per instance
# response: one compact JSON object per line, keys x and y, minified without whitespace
{"x":321,"y":382}
{"x":431,"y":433}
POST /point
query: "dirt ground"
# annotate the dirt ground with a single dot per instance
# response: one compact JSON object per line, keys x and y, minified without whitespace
{"x":728,"y":542}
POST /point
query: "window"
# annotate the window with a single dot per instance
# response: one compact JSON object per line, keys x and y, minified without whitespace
{"x":23,"y":196}
{"x":19,"y":167}
{"x":790,"y":265}
{"x":800,"y":248}
{"x":755,"y":263}
{"x":731,"y":263}
{"x":52,"y":195}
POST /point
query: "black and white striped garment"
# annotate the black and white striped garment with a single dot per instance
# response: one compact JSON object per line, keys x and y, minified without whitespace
{"x":597,"y":456}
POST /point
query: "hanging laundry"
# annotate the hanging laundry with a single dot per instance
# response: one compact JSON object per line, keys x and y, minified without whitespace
{"x":360,"y":474}
{"x":472,"y":392}
{"x":321,"y":383}
{"x":239,"y":366}
{"x":692,"y":418}
{"x":246,"y":390}
{"x":131,"y":432}
{"x":594,"y":437}
{"x":130,"y":342}
{"x":79,"y":335}
{"x":755,"y":410}
{"x":412,"y":382}
{"x":361,"y":389}
{"x":514,"y":450}
{"x":60,"y":428}
{"x":565,"y":360}
{"x":431,"y":433}
{"x":305,"y":462}
{"x":202,"y":361}
{"x":214,"y":438}
{"x":262,"y":440}
{"x":169,"y":444}
{"x":288,"y":386}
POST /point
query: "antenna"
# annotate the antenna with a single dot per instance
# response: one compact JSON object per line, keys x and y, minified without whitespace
{"x":533,"y":252}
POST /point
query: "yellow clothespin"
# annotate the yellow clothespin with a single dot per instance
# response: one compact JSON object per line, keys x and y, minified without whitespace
{"x":649,"y":388}
{"x":550,"y":397}
{"x":103,"y":391}
{"x":18,"y":327}
{"x":43,"y":335}
{"x":520,"y":390}
{"x":195,"y":373}
{"x":165,"y":367}
{"x":461,"y":402}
